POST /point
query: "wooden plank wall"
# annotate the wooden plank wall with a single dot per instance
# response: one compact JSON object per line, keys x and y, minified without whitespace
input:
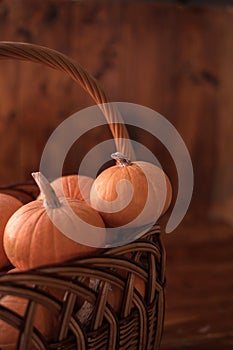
{"x":176,"y":60}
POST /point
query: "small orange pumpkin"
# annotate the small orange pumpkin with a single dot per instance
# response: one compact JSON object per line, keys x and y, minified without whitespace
{"x":31,"y":238}
{"x":73,"y":186}
{"x":45,"y":321}
{"x":144,"y":183}
{"x":8,"y":205}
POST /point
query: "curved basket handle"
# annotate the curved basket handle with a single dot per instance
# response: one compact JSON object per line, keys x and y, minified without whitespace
{"x":59,"y":61}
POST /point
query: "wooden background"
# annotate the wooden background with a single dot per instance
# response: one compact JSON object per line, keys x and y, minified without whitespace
{"x":174,"y":59}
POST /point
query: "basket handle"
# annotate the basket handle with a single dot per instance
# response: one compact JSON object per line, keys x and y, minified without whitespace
{"x":59,"y":61}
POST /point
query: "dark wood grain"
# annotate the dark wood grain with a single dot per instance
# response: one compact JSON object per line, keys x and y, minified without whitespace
{"x":173,"y":59}
{"x":176,"y":60}
{"x":199,"y":293}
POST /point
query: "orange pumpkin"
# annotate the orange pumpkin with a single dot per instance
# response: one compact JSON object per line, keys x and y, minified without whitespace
{"x":8,"y":205}
{"x":121,"y":192}
{"x":44,"y":320}
{"x":31,"y":238}
{"x":73,"y":186}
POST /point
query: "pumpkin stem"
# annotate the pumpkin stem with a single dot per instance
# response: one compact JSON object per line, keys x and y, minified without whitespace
{"x":48,"y":194}
{"x":121,"y":159}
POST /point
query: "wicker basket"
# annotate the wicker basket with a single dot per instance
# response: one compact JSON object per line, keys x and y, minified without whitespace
{"x":139,"y":323}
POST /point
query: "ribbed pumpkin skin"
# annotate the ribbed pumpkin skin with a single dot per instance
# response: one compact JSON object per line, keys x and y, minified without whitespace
{"x":105,"y":185}
{"x":8,"y":205}
{"x":45,"y":321}
{"x":32,"y":240}
{"x":74,"y":186}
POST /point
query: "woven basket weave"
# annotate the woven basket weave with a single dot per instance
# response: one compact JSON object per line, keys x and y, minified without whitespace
{"x":139,"y":323}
